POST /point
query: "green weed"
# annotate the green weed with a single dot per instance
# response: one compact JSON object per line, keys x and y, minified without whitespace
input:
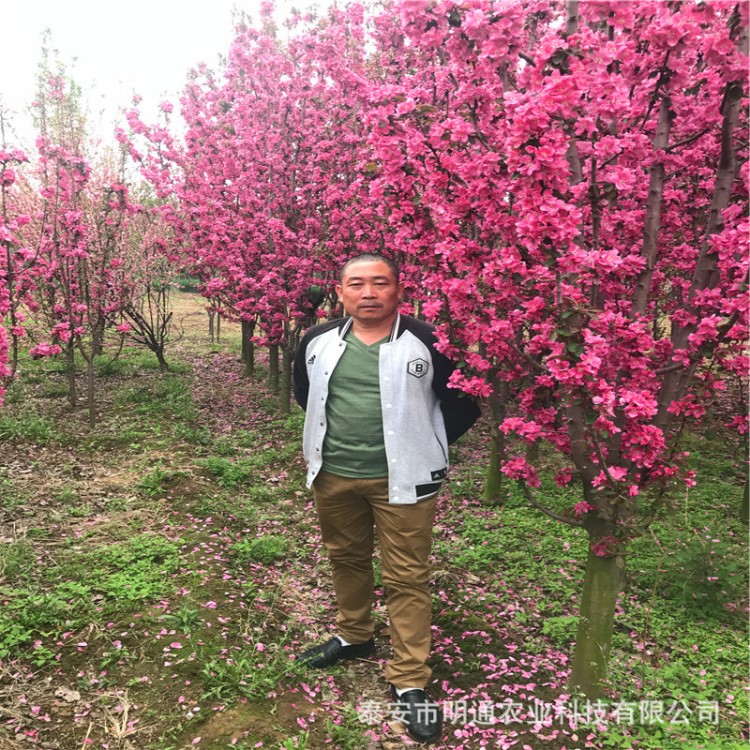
{"x":167,"y":396}
{"x":193,"y":434}
{"x":81,"y":511}
{"x":252,"y":673}
{"x":125,"y":435}
{"x":262,"y":493}
{"x":295,"y":422}
{"x":185,"y":618}
{"x":263,"y":549}
{"x":85,"y":586}
{"x":54,"y":390}
{"x":119,"y":575}
{"x":15,"y":393}
{"x":116,"y":657}
{"x":350,"y":734}
{"x":243,"y":470}
{"x":16,"y":560}
{"x":29,"y":612}
{"x":483,"y":543}
{"x":66,"y":495}
{"x":237,"y":509}
{"x":561,"y":630}
{"x":131,"y":361}
{"x":246,"y":438}
{"x":135,"y":570}
{"x":269,"y":405}
{"x":117,"y":504}
{"x":224,"y":448}
{"x":107,"y":367}
{"x":187,"y":283}
{"x":26,"y":426}
{"x":10,"y":494}
{"x":228,"y":473}
{"x":154,"y":482}
{"x":299,"y":742}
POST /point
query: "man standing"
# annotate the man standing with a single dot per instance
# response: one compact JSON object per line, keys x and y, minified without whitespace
{"x":379,"y":419}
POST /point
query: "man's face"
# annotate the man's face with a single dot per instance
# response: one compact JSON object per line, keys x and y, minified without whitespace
{"x":369,"y":292}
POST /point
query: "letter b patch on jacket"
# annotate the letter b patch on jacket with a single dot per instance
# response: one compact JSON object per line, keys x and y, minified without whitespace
{"x":418,"y":367}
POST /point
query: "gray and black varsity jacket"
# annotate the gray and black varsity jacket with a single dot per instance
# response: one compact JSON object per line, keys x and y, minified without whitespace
{"x":421,"y":415}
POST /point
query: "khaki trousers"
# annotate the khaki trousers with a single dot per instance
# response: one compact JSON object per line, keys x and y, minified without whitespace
{"x":348,"y":510}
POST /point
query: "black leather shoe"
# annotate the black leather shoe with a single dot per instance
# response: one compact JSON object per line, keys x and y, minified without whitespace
{"x":330,"y":652}
{"x":420,"y":715}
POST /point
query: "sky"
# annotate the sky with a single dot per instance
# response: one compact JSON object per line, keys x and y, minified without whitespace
{"x":112,"y":49}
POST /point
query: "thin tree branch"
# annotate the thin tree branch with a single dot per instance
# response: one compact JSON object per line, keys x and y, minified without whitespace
{"x":547,"y":511}
{"x":687,"y":141}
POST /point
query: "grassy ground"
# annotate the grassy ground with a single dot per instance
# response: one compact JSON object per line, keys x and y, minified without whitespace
{"x":157,"y":573}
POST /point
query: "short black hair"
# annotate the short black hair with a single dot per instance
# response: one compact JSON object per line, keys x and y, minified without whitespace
{"x":369,"y":258}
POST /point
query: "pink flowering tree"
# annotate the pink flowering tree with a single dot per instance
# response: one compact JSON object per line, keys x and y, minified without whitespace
{"x":147,"y":264}
{"x":15,"y":260}
{"x":76,"y":233}
{"x":4,"y":308}
{"x":266,"y":174}
{"x":574,"y":181}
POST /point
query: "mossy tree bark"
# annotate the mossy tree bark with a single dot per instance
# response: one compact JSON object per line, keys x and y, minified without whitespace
{"x":494,"y":485}
{"x":163,"y":364}
{"x":70,"y":372}
{"x":248,"y":347}
{"x":602,"y":585}
{"x":90,"y":392}
{"x":273,"y":367}
{"x":492,"y":494}
{"x":285,"y":385}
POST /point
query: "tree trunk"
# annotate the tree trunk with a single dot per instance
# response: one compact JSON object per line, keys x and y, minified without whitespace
{"x":13,"y":347}
{"x":211,"y":326}
{"x":705,"y":275}
{"x":493,"y":480}
{"x":248,"y":347}
{"x":273,"y":367}
{"x":745,"y":504}
{"x":70,"y":372}
{"x":163,"y":364}
{"x":218,"y":328}
{"x":90,"y":394}
{"x":97,"y":338}
{"x":285,"y":388}
{"x":601,"y":587}
{"x":493,"y":483}
{"x":653,"y":214}
{"x":492,"y":494}
{"x":10,"y":285}
{"x":571,"y":22}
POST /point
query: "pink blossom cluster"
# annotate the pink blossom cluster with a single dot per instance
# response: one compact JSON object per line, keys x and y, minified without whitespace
{"x":12,"y":219}
{"x":575,"y":192}
{"x":75,"y":248}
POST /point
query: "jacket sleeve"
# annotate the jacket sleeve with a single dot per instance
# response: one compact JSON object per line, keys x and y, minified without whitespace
{"x":299,"y":374}
{"x":460,"y":411}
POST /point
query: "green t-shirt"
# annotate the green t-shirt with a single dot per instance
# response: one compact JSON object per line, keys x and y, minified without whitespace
{"x":353,"y":445}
